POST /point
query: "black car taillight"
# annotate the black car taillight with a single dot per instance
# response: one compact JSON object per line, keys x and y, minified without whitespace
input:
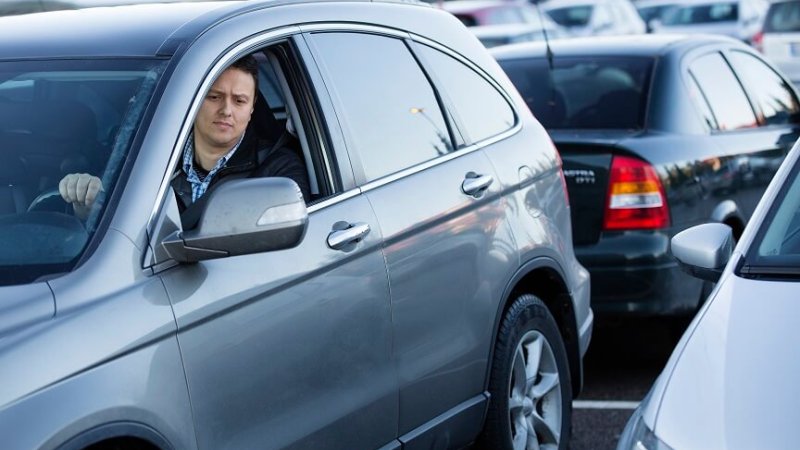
{"x":636,"y":197}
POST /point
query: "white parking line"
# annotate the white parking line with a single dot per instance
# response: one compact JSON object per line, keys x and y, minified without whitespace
{"x":603,"y":404}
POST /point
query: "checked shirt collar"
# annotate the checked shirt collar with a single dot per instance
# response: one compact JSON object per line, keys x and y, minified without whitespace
{"x":200,"y":185}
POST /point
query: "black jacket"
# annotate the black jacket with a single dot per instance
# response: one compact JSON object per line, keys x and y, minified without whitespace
{"x":254,"y":158}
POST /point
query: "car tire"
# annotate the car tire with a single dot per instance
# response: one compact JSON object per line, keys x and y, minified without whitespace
{"x":537,"y":412}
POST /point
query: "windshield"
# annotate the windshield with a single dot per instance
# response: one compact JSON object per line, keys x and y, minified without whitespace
{"x":584,"y":92}
{"x":776,"y":248}
{"x":58,"y":118}
{"x":688,"y":15}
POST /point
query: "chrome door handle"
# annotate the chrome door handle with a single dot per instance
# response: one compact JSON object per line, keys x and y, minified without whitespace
{"x":346,"y":233}
{"x":475,"y":184}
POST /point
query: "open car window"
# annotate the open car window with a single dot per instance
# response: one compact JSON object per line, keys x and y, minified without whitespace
{"x":57,"y":118}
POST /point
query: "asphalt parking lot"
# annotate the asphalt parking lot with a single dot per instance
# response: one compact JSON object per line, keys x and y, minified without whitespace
{"x":624,"y":359}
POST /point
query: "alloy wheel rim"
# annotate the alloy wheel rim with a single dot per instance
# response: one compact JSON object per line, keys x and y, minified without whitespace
{"x":534,"y":399}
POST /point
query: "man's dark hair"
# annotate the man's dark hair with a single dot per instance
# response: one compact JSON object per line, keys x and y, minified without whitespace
{"x":247,"y":64}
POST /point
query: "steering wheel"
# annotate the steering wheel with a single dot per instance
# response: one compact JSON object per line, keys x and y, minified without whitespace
{"x":50,"y":200}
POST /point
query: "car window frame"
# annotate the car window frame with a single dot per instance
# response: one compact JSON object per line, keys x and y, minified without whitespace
{"x":362,"y":182}
{"x":687,"y":72}
{"x":163,"y":218}
{"x":442,"y":91}
{"x":751,"y":96}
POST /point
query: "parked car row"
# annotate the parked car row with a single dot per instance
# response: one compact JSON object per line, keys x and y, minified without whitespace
{"x":669,"y":144}
{"x":657,"y":135}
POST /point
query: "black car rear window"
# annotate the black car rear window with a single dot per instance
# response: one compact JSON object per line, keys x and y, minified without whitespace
{"x":783,"y":17}
{"x":711,"y":13}
{"x":572,"y":16}
{"x":584,"y":92}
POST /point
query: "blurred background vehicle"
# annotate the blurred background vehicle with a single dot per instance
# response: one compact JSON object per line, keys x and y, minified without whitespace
{"x":731,"y":381}
{"x":596,"y":17}
{"x":780,"y":37}
{"x":656,"y":135}
{"x":740,"y":19}
{"x":654,"y":10}
{"x":512,"y":33}
{"x":493,"y":12}
{"x":500,"y":22}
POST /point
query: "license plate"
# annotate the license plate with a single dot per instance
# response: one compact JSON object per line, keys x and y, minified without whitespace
{"x":794,"y":48}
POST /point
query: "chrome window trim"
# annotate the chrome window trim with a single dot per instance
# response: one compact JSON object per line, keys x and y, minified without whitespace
{"x":346,"y":195}
{"x":475,"y":68}
{"x":231,"y":55}
{"x":440,"y":160}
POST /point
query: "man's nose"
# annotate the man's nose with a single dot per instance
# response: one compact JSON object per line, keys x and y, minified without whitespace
{"x":227,"y":107}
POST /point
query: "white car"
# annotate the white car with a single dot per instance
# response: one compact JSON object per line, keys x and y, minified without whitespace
{"x":596,"y":17}
{"x":740,"y":19}
{"x":731,"y":381}
{"x":780,"y":37}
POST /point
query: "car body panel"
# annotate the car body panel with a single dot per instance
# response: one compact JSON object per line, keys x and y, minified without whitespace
{"x":244,"y":317}
{"x":120,"y":329}
{"x":432,"y":259}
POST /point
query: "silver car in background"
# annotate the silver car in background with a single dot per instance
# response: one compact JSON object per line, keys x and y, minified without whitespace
{"x":426,"y":295}
{"x":731,"y":381}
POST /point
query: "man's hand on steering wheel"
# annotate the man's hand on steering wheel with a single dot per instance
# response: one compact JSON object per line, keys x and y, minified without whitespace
{"x":80,"y":190}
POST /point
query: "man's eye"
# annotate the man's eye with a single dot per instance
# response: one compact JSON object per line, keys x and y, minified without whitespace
{"x":213,"y":97}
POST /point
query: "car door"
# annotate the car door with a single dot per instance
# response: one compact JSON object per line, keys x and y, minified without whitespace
{"x":291,"y":349}
{"x":431,"y":197}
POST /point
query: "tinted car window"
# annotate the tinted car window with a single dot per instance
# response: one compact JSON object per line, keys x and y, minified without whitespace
{"x":406,"y":127}
{"x":609,"y":93}
{"x":572,"y":16}
{"x":59,"y":117}
{"x":483,"y":111}
{"x":770,"y":92}
{"x":723,"y":92}
{"x":700,"y":101}
{"x":783,"y":17}
{"x":717,"y":12}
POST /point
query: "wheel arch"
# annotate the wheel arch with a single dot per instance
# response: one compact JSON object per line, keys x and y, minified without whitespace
{"x":122,"y":434}
{"x":728,"y":212}
{"x":544,"y":277}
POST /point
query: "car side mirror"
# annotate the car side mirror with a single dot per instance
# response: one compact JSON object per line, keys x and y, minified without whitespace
{"x":242,"y":217}
{"x":703,"y":251}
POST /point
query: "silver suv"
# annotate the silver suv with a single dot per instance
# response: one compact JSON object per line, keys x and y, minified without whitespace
{"x":424,"y":294}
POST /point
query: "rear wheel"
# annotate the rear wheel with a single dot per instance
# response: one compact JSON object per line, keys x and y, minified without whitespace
{"x":531,"y":393}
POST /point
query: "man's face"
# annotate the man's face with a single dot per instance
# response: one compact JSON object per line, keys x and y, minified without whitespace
{"x":226,"y":110}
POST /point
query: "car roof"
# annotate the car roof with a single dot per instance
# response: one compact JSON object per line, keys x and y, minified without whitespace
{"x":134,"y":30}
{"x":646,"y":45}
{"x":130,"y":30}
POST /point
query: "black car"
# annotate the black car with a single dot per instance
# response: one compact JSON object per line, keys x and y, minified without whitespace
{"x":656,"y":134}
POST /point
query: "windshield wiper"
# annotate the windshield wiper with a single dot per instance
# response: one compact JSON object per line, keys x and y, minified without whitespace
{"x":775,"y":272}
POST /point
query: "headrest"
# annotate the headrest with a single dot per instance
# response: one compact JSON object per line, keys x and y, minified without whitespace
{"x":55,"y":119}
